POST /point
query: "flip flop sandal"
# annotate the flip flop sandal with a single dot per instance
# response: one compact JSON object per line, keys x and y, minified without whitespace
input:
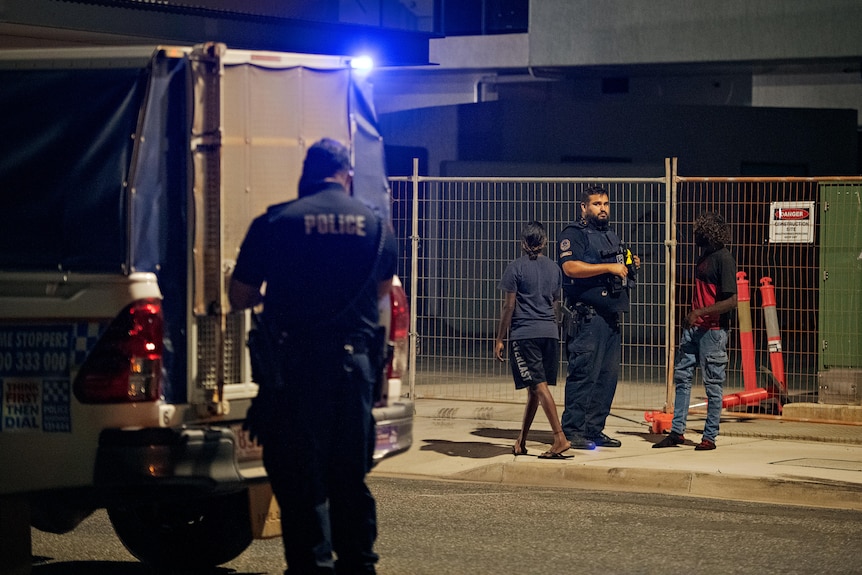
{"x":553,"y":455}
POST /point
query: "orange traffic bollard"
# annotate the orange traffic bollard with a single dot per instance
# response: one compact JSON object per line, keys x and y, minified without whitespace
{"x":659,"y":421}
{"x":747,"y":397}
{"x":773,"y":336}
{"x":746,"y":338}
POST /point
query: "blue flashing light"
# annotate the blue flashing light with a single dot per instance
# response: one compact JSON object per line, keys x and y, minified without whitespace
{"x":362,"y":63}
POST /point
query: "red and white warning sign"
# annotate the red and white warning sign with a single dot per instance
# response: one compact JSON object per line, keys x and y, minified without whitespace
{"x":791,"y":223}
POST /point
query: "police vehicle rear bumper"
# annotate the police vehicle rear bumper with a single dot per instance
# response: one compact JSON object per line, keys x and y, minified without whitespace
{"x":394,"y":428}
{"x":166,"y":462}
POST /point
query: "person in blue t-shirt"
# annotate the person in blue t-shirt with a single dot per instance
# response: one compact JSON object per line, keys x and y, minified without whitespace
{"x":532,"y":285}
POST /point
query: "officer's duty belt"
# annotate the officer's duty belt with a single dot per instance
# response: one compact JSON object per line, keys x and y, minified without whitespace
{"x":357,"y":344}
{"x":585,"y":312}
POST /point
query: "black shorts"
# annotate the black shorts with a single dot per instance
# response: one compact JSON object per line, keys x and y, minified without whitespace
{"x":534,"y":361}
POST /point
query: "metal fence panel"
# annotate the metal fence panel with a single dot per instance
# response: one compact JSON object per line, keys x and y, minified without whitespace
{"x":467,"y":230}
{"x":791,"y":267}
{"x":458,"y":235}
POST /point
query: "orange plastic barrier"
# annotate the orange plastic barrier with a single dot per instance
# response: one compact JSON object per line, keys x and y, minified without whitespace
{"x":773,"y":336}
{"x":660,"y":421}
{"x":746,"y":338}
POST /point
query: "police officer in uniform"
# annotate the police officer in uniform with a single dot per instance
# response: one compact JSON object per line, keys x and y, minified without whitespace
{"x":598,"y":273}
{"x":325,"y":259}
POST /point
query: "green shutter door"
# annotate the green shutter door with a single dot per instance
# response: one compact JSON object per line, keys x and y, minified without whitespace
{"x":840,"y":318}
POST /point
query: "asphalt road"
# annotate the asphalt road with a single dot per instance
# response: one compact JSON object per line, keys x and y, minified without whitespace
{"x":458,"y":528}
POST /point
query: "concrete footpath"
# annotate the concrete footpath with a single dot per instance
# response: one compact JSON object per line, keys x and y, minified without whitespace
{"x":758,"y":459}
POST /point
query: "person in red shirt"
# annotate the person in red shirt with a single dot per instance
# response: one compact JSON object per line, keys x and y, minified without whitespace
{"x":704,"y":336}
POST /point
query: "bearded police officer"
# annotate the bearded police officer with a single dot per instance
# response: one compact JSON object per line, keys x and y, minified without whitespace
{"x":598,"y":273}
{"x":325,"y":258}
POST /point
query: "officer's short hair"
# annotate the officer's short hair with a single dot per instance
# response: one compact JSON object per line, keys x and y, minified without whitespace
{"x":324,"y":159}
{"x":592,"y":191}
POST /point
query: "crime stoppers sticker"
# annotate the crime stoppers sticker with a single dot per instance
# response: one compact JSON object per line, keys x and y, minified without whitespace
{"x":35,"y":375}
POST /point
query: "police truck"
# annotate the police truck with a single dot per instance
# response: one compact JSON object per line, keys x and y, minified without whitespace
{"x":128,"y":178}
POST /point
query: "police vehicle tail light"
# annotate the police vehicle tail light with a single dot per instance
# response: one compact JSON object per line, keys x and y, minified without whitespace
{"x":400,"y":327}
{"x":126,"y":364}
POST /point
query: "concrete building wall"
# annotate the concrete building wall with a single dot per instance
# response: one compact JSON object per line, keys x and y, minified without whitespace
{"x":631,"y":32}
{"x":611,"y":139}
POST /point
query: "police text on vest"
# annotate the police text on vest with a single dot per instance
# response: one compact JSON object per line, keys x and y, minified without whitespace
{"x":346,"y":224}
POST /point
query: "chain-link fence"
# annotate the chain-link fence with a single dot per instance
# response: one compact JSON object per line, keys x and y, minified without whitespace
{"x":458,"y":235}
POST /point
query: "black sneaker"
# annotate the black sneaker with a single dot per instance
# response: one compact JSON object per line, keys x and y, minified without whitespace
{"x":672,"y":440}
{"x":602,"y":440}
{"x":581,"y":442}
{"x":705,"y":445}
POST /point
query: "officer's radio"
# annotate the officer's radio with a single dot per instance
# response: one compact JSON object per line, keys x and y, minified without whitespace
{"x":622,"y":255}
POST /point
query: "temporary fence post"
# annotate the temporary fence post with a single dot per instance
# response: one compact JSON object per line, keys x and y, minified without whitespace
{"x":660,"y":421}
{"x":414,"y":281}
{"x":670,"y":280}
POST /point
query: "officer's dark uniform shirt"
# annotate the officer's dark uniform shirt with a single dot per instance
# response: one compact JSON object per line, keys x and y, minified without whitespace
{"x":314,"y":253}
{"x":584,"y":242}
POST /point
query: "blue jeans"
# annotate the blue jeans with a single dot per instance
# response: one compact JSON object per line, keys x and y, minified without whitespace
{"x":707,"y":348}
{"x":593,"y":350}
